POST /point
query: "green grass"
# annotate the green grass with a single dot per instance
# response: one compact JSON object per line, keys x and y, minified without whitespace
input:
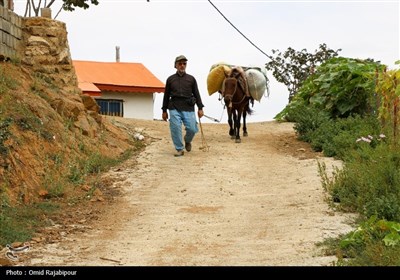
{"x":6,"y":81}
{"x":20,"y":223}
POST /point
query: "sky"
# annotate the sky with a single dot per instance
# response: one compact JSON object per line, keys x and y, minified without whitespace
{"x":155,"y":32}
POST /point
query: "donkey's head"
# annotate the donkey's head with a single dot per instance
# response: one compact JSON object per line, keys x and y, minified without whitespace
{"x":229,"y":86}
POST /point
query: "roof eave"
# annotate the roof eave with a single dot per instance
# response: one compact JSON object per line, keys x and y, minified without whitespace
{"x":92,"y":93}
{"x":142,"y":89}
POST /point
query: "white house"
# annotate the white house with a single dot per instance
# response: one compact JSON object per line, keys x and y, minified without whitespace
{"x":119,"y":88}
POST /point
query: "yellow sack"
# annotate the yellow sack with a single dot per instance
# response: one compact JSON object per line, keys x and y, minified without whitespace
{"x":216,"y":77}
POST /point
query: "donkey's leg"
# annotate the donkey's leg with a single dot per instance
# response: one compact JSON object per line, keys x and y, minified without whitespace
{"x":230,"y":122}
{"x":237,"y":125}
{"x":244,"y":123}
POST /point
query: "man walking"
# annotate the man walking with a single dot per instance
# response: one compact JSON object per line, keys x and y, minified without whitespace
{"x":180,"y":96}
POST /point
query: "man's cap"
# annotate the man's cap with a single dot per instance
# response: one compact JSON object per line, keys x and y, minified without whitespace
{"x":179,"y":58}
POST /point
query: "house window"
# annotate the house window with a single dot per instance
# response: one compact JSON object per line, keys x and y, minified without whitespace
{"x":111,"y":107}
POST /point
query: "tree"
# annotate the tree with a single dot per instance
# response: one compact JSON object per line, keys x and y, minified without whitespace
{"x":68,"y":5}
{"x":293,"y":67}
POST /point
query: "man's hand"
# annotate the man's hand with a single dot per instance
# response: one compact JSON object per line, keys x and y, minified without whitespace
{"x":165,"y":116}
{"x":200,"y":113}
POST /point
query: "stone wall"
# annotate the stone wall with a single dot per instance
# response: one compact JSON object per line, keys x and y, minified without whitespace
{"x":10,"y":34}
{"x":46,"y":50}
{"x":37,"y":42}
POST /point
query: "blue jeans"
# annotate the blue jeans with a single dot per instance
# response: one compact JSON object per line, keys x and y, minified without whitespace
{"x":176,"y":119}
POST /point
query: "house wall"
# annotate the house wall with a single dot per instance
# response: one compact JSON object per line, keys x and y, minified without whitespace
{"x":136,"y":105}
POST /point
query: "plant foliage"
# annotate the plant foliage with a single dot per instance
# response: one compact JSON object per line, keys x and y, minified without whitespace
{"x":388,"y":91}
{"x":374,"y":242}
{"x":341,"y":87}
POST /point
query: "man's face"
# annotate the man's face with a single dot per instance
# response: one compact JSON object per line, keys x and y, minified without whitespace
{"x":181,"y":65}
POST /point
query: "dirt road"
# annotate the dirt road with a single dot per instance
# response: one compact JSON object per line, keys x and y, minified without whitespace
{"x":257,"y":203}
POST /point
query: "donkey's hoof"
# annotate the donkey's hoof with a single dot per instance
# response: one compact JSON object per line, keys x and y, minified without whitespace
{"x":238,"y":140}
{"x":233,"y":137}
{"x":245,"y":134}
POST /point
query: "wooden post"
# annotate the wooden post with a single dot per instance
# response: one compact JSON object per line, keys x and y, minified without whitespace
{"x":45,"y":12}
{"x":11,"y":5}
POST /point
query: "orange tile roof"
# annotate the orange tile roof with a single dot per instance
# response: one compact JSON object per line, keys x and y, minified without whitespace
{"x":86,"y":86}
{"x":116,"y":76}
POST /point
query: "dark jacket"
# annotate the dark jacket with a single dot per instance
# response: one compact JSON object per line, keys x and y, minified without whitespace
{"x":179,"y":91}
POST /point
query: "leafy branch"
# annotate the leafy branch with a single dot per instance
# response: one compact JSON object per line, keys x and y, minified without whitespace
{"x":33,"y":6}
{"x":293,"y":67}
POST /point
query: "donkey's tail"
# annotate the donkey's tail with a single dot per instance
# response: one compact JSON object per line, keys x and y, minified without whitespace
{"x":249,"y":111}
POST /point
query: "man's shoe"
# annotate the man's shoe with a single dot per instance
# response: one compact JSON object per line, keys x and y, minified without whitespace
{"x":188,"y":147}
{"x":179,"y":153}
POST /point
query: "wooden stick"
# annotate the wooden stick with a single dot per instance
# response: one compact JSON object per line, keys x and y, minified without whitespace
{"x":111,"y":260}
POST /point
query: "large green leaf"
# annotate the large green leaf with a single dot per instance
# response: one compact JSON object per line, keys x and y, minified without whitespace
{"x":392,"y":239}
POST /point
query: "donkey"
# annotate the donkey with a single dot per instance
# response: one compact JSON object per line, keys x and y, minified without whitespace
{"x":237,"y":100}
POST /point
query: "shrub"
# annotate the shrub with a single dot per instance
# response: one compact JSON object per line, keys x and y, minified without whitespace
{"x":369,"y":183}
{"x":338,"y":137}
{"x":307,"y":120}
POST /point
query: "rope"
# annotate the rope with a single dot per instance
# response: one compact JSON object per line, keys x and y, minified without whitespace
{"x":211,"y":118}
{"x":204,"y":147}
{"x":222,"y":113}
